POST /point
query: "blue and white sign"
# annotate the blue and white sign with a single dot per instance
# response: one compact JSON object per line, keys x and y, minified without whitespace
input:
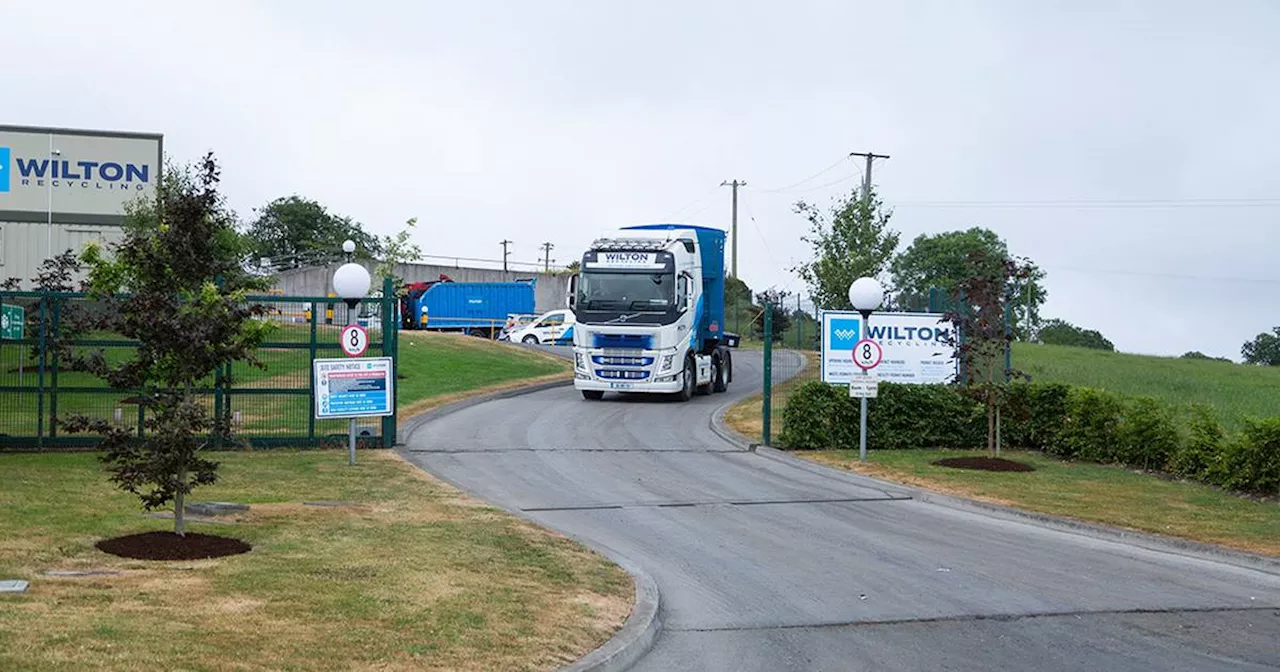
{"x":916,"y":347}
{"x":353,"y":388}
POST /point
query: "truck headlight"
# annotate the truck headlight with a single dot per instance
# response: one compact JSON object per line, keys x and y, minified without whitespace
{"x":578,"y":361}
{"x":666,"y":362}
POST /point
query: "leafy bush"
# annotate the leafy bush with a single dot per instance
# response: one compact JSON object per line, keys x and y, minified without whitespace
{"x":1201,"y":451}
{"x":1034,"y":413}
{"x":808,"y":417}
{"x":1148,"y":434}
{"x":818,"y":416}
{"x":923,"y":416}
{"x":1252,"y":462}
{"x":1090,"y":430}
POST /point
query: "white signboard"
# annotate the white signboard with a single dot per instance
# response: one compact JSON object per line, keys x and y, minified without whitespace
{"x":914,"y":344}
{"x":864,"y":387}
{"x":81,"y":172}
{"x":354,"y":340}
{"x":353,"y":388}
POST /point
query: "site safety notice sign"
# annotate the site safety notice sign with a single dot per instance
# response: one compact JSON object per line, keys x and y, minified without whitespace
{"x":354,"y":388}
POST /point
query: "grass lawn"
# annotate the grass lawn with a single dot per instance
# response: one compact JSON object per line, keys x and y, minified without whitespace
{"x":1235,"y":390}
{"x":413,"y":574}
{"x":1092,"y":492}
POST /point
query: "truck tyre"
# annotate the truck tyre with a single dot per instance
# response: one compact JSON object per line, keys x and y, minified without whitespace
{"x":592,"y":395}
{"x":530,"y":340}
{"x":719,"y":382}
{"x":689,"y":379}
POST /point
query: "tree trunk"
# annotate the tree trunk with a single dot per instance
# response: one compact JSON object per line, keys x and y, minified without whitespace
{"x":179,"y":508}
{"x":991,"y":427}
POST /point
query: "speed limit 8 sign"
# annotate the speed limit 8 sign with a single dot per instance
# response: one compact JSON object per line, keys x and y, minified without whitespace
{"x":354,"y":340}
{"x":867,"y":354}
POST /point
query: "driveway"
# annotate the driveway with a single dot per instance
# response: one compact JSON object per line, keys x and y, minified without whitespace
{"x":763,"y":565}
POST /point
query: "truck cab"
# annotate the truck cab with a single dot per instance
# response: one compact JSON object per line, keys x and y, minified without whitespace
{"x":649,"y":303}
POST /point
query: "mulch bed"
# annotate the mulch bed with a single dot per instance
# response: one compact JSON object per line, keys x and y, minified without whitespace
{"x":984,"y":464}
{"x":169,"y":546}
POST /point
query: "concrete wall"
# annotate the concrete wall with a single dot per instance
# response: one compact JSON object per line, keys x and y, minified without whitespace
{"x":549,"y":292}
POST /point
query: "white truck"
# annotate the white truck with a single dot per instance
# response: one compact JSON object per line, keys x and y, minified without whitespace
{"x":649,"y":302}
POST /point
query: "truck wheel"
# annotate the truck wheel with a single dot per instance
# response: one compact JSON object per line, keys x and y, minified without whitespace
{"x":718,"y":383}
{"x":592,"y":395}
{"x":530,"y":340}
{"x":689,"y":378}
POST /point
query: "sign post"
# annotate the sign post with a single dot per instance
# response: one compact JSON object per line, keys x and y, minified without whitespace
{"x":866,"y":355}
{"x":12,"y":319}
{"x":353,"y":388}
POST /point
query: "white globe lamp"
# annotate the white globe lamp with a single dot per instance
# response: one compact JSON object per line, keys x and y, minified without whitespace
{"x":866,"y":295}
{"x":351,"y":282}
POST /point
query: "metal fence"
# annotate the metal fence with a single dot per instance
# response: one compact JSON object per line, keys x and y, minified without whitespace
{"x":268,"y":406}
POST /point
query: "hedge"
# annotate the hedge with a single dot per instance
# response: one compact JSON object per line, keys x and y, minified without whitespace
{"x":1073,"y":423}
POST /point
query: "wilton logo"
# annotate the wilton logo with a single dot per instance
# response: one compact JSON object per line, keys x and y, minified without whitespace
{"x":844,"y":333}
{"x":4,"y":169}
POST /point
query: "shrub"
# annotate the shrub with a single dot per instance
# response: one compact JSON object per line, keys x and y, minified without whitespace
{"x":1090,"y":429}
{"x":1148,"y":434}
{"x":1034,"y":413}
{"x":1202,"y":449}
{"x":924,"y":416}
{"x":808,"y":417}
{"x":1252,"y":462}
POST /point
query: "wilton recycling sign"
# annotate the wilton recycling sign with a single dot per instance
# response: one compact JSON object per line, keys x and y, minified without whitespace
{"x":915,"y":345}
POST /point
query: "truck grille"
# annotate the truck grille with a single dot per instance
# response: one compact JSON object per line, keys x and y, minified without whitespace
{"x":619,"y":374}
{"x":622,"y":341}
{"x":610,"y":360}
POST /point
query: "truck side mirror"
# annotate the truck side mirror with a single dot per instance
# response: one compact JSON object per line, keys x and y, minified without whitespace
{"x":685,"y":296}
{"x":572,"y":297}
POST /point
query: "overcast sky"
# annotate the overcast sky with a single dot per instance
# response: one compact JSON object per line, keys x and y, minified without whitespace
{"x":1132,"y":149}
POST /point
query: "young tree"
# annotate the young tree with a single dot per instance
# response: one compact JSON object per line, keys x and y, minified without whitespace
{"x":775,"y":300}
{"x":944,"y":261}
{"x":175,"y":285}
{"x":982,"y":335}
{"x":853,"y":241}
{"x":301,"y":231}
{"x":396,"y":250}
{"x":1263,"y":349}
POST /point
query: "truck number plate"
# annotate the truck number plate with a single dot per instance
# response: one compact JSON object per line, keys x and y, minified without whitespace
{"x":621,"y":386}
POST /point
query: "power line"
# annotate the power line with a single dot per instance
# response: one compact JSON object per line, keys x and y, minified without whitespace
{"x":1113,"y":204}
{"x":1173,"y":276}
{"x":692,"y":203}
{"x":817,"y":174}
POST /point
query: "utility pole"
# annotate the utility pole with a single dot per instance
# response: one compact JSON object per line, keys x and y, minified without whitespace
{"x":734,"y":232}
{"x":546,"y":247}
{"x":504,"y":245}
{"x":866,"y":174}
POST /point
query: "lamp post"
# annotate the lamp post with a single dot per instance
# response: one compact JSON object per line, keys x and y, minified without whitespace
{"x":53,"y":156}
{"x":865,"y":294}
{"x":351,"y":283}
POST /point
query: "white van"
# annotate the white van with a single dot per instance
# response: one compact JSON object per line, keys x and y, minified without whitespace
{"x":553,"y":328}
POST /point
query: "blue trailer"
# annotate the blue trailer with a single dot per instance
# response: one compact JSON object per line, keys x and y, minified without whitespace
{"x":478,"y":308}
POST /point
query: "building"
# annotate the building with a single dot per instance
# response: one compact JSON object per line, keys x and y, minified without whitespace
{"x":61,"y":188}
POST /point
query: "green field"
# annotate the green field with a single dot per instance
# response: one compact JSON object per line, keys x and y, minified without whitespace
{"x":1237,"y":391}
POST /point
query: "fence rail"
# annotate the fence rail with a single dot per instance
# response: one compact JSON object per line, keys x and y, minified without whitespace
{"x":268,"y":406}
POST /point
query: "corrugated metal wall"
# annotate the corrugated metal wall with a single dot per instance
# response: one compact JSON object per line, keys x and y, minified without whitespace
{"x":25,"y":245}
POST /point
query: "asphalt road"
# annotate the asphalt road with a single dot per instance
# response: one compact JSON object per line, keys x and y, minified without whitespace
{"x":766,"y":566}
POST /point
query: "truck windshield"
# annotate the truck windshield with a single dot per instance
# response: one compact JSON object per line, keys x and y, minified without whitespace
{"x":640,"y":292}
